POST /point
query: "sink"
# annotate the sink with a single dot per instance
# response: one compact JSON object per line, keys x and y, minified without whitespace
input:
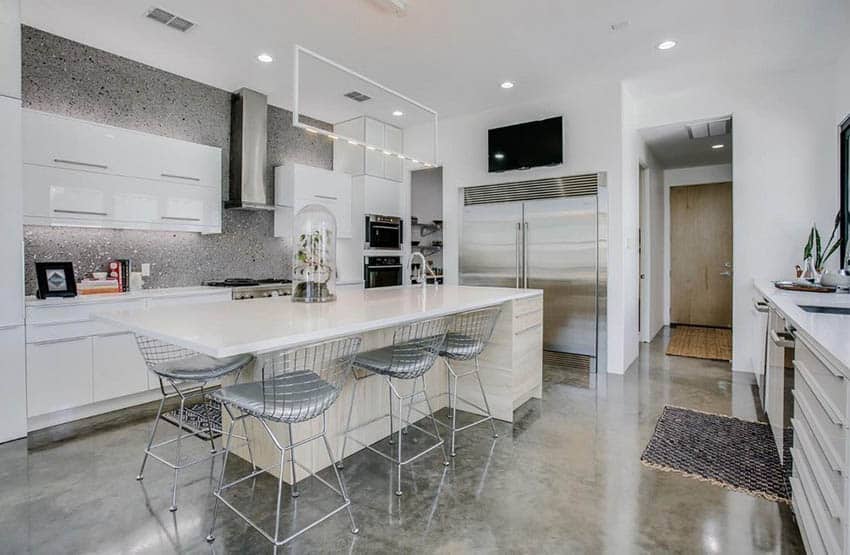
{"x":826,"y":309}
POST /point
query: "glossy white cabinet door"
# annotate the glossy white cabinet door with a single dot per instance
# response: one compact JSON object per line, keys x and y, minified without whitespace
{"x":297,"y":185}
{"x":10,"y":48}
{"x":117,"y":367}
{"x":11,"y":223}
{"x":393,"y":166}
{"x":51,"y":140}
{"x":13,"y":394}
{"x":59,"y":375}
{"x":375,"y":158}
{"x":381,"y":196}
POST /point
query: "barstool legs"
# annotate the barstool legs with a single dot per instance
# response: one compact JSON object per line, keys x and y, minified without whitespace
{"x":452,"y":379}
{"x":292,"y":462}
{"x":484,"y":396}
{"x":180,"y":416}
{"x":141,"y":474}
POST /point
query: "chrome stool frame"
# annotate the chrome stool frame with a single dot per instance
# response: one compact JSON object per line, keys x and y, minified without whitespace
{"x":164,"y":359}
{"x":414,"y":350}
{"x":468,"y":336}
{"x":297,"y":386}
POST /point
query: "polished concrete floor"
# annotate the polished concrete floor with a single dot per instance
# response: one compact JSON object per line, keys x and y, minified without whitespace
{"x":566,"y":478}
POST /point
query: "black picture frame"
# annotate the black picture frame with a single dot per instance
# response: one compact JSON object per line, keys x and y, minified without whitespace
{"x":55,"y":279}
{"x":844,"y":186}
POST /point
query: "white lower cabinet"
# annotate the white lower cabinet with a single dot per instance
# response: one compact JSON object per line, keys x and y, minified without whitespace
{"x":59,"y":375}
{"x":117,"y":367}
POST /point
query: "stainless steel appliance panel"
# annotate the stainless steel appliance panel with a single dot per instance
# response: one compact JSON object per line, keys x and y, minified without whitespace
{"x":560,"y":258}
{"x":491,"y":245}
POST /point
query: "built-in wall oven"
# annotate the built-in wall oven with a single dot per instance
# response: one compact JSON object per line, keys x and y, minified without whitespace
{"x":383,"y":232}
{"x":382,"y":271}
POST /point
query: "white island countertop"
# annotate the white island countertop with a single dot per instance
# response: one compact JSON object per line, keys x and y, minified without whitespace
{"x":830,"y":332}
{"x":270,"y":324}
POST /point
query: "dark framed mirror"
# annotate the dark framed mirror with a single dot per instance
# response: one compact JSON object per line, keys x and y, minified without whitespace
{"x":844,"y":180}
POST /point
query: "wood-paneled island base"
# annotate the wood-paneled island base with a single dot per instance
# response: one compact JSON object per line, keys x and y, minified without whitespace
{"x":511,"y":365}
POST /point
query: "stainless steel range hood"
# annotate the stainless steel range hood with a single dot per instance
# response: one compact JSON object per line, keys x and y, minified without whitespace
{"x":248,"y":143}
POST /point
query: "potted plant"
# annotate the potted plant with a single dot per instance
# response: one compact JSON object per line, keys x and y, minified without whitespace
{"x":314,"y":259}
{"x":816,"y":254}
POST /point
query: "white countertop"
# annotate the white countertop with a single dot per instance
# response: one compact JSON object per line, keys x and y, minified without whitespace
{"x":130,"y":295}
{"x":222,"y":329}
{"x":830,"y":332}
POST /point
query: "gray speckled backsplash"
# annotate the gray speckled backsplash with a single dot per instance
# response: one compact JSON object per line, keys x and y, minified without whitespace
{"x":65,"y":77}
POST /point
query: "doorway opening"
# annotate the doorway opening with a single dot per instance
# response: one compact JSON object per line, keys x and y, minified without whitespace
{"x":695,"y":159}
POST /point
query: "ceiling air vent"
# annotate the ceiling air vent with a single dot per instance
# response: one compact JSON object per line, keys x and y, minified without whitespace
{"x":357,"y":96}
{"x":703,"y":129}
{"x":167,"y":18}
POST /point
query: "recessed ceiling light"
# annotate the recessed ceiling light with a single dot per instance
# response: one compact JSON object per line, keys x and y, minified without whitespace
{"x":333,"y":137}
{"x":311,"y":130}
{"x":387,"y":152}
{"x":352,"y":143}
{"x":400,"y":156}
{"x":507,"y":85}
{"x":370,"y":147}
{"x":427,"y":165}
{"x":414,"y":160}
{"x":498,"y":156}
{"x":265,"y":58}
{"x":716,"y":147}
{"x":398,"y":113}
{"x":666,"y":45}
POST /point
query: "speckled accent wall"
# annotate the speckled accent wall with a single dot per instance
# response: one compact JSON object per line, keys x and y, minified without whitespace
{"x":75,"y":80}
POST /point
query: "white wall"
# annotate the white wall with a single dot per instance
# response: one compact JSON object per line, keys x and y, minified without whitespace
{"x":784,"y":171}
{"x":697,"y":175}
{"x":653,"y":251}
{"x":592,"y":142}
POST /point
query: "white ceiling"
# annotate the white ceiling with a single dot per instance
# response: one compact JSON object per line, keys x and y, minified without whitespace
{"x":452,"y":55}
{"x":673,"y":147}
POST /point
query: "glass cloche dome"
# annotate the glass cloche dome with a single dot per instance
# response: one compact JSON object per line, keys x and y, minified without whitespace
{"x":314,"y":255}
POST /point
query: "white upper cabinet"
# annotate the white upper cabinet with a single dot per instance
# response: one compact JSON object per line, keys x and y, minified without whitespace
{"x":360,"y":160}
{"x":10,"y":48}
{"x":83,"y":173}
{"x":297,"y":185}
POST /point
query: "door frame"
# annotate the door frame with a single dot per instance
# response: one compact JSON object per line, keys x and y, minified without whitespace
{"x":668,"y":251}
{"x":645,"y":300}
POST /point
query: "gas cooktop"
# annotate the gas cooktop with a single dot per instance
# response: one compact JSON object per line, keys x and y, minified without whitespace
{"x":247,"y":288}
{"x":246,"y":282}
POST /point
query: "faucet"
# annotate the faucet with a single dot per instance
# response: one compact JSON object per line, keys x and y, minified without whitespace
{"x":425,"y":268}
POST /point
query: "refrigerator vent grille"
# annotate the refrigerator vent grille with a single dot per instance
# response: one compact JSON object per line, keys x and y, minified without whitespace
{"x":553,"y":187}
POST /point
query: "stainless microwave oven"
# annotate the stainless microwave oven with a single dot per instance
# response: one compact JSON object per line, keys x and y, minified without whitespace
{"x":383,"y":232}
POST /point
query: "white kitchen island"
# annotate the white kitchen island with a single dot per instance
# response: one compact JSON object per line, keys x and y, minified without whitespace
{"x":511,"y":366}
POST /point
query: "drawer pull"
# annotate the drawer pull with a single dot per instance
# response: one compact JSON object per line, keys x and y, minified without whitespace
{"x":181,"y":218}
{"x":761,"y":306}
{"x":820,"y":395}
{"x":801,"y":501}
{"x":175,"y":176}
{"x":63,"y":340}
{"x":814,"y":351}
{"x":75,"y":163}
{"x":827,"y":447}
{"x":86,"y":212}
{"x":782,"y":339}
{"x":326,"y":197}
{"x":828,"y":493}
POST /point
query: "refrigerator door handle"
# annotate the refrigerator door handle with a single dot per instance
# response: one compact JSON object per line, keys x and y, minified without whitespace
{"x":525,"y":256}
{"x":517,"y":255}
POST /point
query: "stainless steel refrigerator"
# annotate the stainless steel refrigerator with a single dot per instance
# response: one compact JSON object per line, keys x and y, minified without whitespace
{"x":553,"y":244}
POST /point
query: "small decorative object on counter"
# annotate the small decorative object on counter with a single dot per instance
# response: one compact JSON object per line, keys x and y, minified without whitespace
{"x":815,"y":254}
{"x":314,"y":255}
{"x":55,"y":279}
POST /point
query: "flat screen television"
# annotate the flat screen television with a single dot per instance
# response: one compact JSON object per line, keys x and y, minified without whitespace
{"x":526,"y":145}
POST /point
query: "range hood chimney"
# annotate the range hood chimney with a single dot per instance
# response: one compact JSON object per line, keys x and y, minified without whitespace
{"x":248,"y":143}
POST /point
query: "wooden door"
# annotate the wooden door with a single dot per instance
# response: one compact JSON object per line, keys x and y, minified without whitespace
{"x":701,"y":255}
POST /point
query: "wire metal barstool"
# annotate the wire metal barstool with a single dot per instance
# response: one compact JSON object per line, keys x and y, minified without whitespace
{"x":184,"y":374}
{"x":469,"y":334}
{"x":414,"y":349}
{"x":296,"y":386}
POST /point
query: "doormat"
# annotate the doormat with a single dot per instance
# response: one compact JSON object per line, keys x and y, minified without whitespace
{"x":729,"y":452}
{"x":696,"y":342}
{"x":195,"y":419}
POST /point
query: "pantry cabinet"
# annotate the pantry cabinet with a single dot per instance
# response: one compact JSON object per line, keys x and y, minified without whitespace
{"x":87,"y":174}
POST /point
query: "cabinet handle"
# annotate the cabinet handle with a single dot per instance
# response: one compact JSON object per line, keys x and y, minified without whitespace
{"x":181,"y":218}
{"x":786,"y":340}
{"x":761,"y":306}
{"x":63,"y":340}
{"x":328,"y":197}
{"x":75,"y":163}
{"x":175,"y":176}
{"x":820,"y":436}
{"x":826,"y":404}
{"x":88,"y":212}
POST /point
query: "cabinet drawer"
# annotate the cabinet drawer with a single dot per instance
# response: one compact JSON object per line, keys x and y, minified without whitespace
{"x":829,"y":527}
{"x":830,"y":482}
{"x":806,"y":519}
{"x":78,"y":312}
{"x":117,"y":367}
{"x":828,"y":384}
{"x":59,"y":376}
{"x":829,"y":437}
{"x":532,"y":304}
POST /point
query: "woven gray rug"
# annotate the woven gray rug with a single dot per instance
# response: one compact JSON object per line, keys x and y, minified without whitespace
{"x":733,"y":453}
